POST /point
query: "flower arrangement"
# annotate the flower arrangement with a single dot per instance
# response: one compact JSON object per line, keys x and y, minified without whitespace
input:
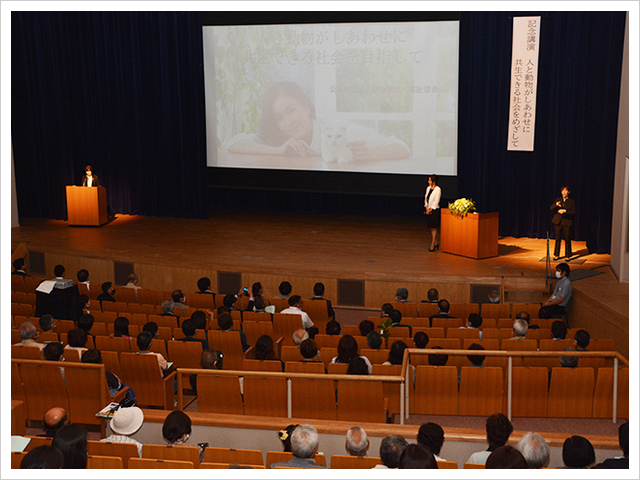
{"x":462,"y":206}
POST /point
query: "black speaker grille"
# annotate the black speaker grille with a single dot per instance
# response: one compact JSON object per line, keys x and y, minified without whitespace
{"x":351,"y":292}
{"x":121,"y":272}
{"x":229,"y":282}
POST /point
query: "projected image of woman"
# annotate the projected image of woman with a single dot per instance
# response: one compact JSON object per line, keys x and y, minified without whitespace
{"x":288,"y":127}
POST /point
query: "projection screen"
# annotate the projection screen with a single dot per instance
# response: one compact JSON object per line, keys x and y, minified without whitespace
{"x":352,"y":97}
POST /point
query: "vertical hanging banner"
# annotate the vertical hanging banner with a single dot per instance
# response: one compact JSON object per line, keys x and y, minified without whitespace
{"x":524,"y":83}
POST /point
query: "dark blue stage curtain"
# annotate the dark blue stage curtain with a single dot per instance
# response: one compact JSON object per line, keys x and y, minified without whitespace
{"x":576,"y":122}
{"x":122,"y":91}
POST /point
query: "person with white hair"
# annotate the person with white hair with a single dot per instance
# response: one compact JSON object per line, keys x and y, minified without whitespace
{"x":304,"y":445}
{"x":520,"y":327}
{"x":535,"y":450}
{"x":300,"y":336}
{"x":356,"y":443}
{"x":29,"y":333}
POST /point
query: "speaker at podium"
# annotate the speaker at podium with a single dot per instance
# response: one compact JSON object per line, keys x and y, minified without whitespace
{"x":87,"y":206}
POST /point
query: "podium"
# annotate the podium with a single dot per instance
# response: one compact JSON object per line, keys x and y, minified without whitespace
{"x":87,"y":206}
{"x":475,"y":235}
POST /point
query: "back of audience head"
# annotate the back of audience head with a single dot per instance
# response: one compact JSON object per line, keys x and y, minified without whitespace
{"x":577,"y":452}
{"x":443,"y":306}
{"x":432,"y":295}
{"x":476,"y":360}
{"x":285,"y":289}
{"x":204,"y":284}
{"x":222,"y":309}
{"x":374,"y":340}
{"x":431,"y":435}
{"x":285,"y":437}
{"x":499,"y":428}
{"x":300,"y":336}
{"x":333,"y":328}
{"x":144,"y":341}
{"x":535,"y":450}
{"x":313,"y":331}
{"x":402,"y":293}
{"x":357,"y":366}
{"x":46,"y":322}
{"x":438,"y":359}
{"x":294,"y":300}
{"x":396,"y":352}
{"x":256,"y":289}
{"x":263,"y":349}
{"x":391,"y":448}
{"x":176,"y":428}
{"x":71,"y":440}
{"x":83,"y":300}
{"x":559,"y":329}
{"x":417,"y":456}
{"x":304,"y":441}
{"x":133,"y":279}
{"x":395,"y":316}
{"x":85,"y":322}
{"x":582,"y":339}
{"x":347,"y":349}
{"x":225,"y":321}
{"x":525,"y":316}
{"x":318,"y":289}
{"x":309,"y":349}
{"x":53,"y":351}
{"x":43,"y":457}
{"x":366,"y":327}
{"x":93,"y":355}
{"x":623,"y":439}
{"x":54,"y":419}
{"x":200,"y":319}
{"x":83,"y":275}
{"x":188,"y":327}
{"x":475,"y":320}
{"x":177,"y":296}
{"x":386,"y":308}
{"x":28,"y":330}
{"x":58,"y":271}
{"x":357,"y":442}
{"x":506,"y":457}
{"x":152,"y":328}
{"x":19,"y":263}
{"x":121,"y":327}
{"x":211,"y":359}
{"x":260,"y":303}
{"x":106,"y":286}
{"x":569,"y":362}
{"x":77,"y":338}
{"x":421,"y":339}
{"x":229,"y":300}
{"x":520,"y":327}
{"x":168,"y":306}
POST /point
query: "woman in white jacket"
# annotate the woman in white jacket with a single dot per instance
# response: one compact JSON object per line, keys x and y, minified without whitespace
{"x":432,"y":210}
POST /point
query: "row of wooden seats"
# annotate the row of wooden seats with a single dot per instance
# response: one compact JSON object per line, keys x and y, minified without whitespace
{"x":463,"y":310}
{"x":571,"y":393}
{"x":454,"y":322}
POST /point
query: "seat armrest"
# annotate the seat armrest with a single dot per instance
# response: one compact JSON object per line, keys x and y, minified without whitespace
{"x":118,"y":397}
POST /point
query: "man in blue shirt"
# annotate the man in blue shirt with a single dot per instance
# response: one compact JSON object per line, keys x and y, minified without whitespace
{"x":555,"y":305}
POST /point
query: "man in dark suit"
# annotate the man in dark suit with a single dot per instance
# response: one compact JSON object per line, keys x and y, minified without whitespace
{"x":443,"y":311}
{"x":565,"y":209}
{"x":318,"y":291}
{"x":19,"y":265}
{"x":189,"y":330}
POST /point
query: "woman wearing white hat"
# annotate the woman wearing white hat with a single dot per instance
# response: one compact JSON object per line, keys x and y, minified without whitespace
{"x":126,"y":422}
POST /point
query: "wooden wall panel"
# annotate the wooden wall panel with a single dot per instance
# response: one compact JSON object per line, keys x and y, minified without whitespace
{"x":100,"y":270}
{"x":156,"y":277}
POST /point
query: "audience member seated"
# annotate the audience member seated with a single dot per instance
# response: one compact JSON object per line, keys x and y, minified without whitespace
{"x":431,"y":435}
{"x":84,"y":304}
{"x":474,"y":322}
{"x":385,"y":310}
{"x":189,"y":330}
{"x":476,"y":360}
{"x":43,"y":457}
{"x":108,"y":290}
{"x":152,"y":328}
{"x":313,"y":331}
{"x":506,"y":457}
{"x":225,"y":322}
{"x":300,"y":336}
{"x":396,"y":318}
{"x":498,"y":430}
{"x":83,"y":278}
{"x":209,"y":360}
{"x":133,"y":281}
{"x":85,"y":322}
{"x":333,"y":328}
{"x":124,"y":423}
{"x":417,"y":456}
{"x":121,"y":329}
{"x":93,"y":355}
{"x":200,"y":319}
{"x":168,"y":309}
{"x":176,"y":428}
{"x":366,"y":327}
{"x":527,"y":318}
{"x":58,"y":271}
{"x":559,"y":330}
{"x":357,"y":366}
{"x":556,"y":304}
{"x":77,"y":340}
{"x":19,"y":266}
{"x":71,"y":440}
{"x":402,"y":295}
{"x":260,"y":304}
{"x":295,"y":307}
{"x":54,"y":419}
{"x":396,"y":353}
{"x":577,"y":452}
{"x":285,"y":437}
{"x":53,"y":352}
{"x":285,"y":290}
{"x":144,"y":342}
{"x":304,"y":445}
{"x":348,"y":350}
{"x":391,"y":449}
{"x":318,"y":292}
{"x":421,"y":340}
{"x":29,"y":333}
{"x":264,"y":350}
{"x":535,"y":450}
{"x":204,"y":286}
{"x":623,"y":439}
{"x":569,"y":362}
{"x":494,"y":296}
{"x":520,"y":328}
{"x":47,"y":323}
{"x":581,"y":340}
{"x":309,"y":350}
{"x":438,"y":359}
{"x":374,"y":340}
{"x":443,"y":311}
{"x":432,"y":296}
{"x":356,"y":443}
{"x":179,"y":300}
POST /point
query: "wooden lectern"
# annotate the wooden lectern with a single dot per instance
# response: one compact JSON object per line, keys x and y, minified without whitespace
{"x":475,"y":235}
{"x":87,"y":206}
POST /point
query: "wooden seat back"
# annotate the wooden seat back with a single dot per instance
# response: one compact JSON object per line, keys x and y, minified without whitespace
{"x":447,"y":464}
{"x":44,"y":388}
{"x":352,"y":330}
{"x":291,"y":354}
{"x":266,"y":396}
{"x":103,"y":462}
{"x":188,"y":453}
{"x":323,"y":340}
{"x":31,"y":353}
{"x":481,"y":391}
{"x":111,"y":361}
{"x":529,"y":392}
{"x":229,"y":343}
{"x":240,"y":456}
{"x":463,"y":333}
{"x":436,"y":390}
{"x":571,"y":392}
{"x":104,"y":317}
{"x":150,"y":297}
{"x":277,"y":457}
{"x":390,"y":390}
{"x":158,"y":463}
{"x":463,"y":310}
{"x":407,"y":309}
{"x":201,"y":301}
{"x":284,"y":324}
{"x":375,"y":356}
{"x":318,"y":312}
{"x":88,"y":392}
{"x":113,"y":344}
{"x":213,"y":388}
{"x":304,"y":367}
{"x":603,"y":393}
{"x":124,"y":451}
{"x":447,"y":322}
{"x":279,"y":303}
{"x":327,"y":354}
{"x":361,"y":401}
{"x":495,"y":310}
{"x":313,"y":398}
{"x":261,"y":365}
{"x":531,"y":308}
{"x":142,"y":308}
{"x":255,"y":329}
{"x":351,"y":462}
{"x":141,"y":372}
{"x":185,"y":355}
{"x":128,"y":295}
{"x":517,"y":345}
{"x":337,"y":368}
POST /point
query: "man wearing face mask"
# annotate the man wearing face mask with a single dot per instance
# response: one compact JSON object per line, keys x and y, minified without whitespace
{"x":555,"y":305}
